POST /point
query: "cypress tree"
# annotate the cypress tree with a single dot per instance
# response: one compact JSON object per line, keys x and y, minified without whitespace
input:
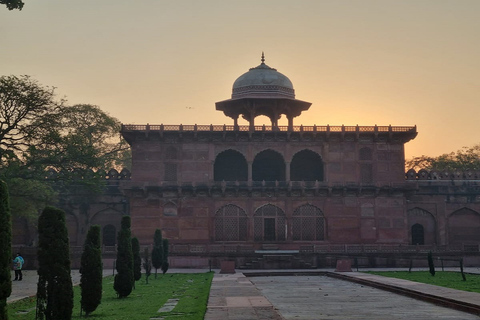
{"x":123,"y":282}
{"x":147,"y":264}
{"x":5,"y":250}
{"x":54,"y":289}
{"x":157,"y":252}
{"x":165,"y":264}
{"x":431,"y":266}
{"x":91,"y":271}
{"x":137,"y":260}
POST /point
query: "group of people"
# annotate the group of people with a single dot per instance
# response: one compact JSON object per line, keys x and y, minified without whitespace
{"x":17,"y":266}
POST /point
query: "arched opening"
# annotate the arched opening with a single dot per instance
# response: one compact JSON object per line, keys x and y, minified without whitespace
{"x":417,"y":218}
{"x":109,"y":235}
{"x":308,"y":223}
{"x":418,"y":236}
{"x":230,"y":165}
{"x":269,"y":223}
{"x":268,"y":165}
{"x":306,"y":165}
{"x":230,"y":224}
{"x":464,"y":227}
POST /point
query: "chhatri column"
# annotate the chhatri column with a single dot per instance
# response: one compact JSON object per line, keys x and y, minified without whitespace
{"x":250,"y":164}
{"x":287,"y":171}
{"x":235,"y":122}
{"x":252,"y":121}
{"x":290,"y":122}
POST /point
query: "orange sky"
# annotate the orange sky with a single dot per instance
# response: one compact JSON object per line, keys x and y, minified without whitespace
{"x":358,"y":62}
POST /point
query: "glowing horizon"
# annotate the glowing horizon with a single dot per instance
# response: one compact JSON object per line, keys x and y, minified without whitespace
{"x":399,"y":63}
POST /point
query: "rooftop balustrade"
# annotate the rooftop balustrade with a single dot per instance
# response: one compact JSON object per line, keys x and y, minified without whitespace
{"x":265,"y":128}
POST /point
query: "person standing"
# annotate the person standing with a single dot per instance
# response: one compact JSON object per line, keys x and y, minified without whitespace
{"x":17,"y":266}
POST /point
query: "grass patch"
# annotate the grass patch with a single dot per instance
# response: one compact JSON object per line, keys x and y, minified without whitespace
{"x":191,"y":290}
{"x":446,"y":279}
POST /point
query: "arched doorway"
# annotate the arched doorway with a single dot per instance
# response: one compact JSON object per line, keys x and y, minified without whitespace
{"x":418,"y":236}
{"x":420,"y":218}
{"x":109,"y":235}
{"x":269,"y":223}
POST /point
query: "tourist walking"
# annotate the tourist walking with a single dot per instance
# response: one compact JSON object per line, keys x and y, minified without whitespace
{"x":17,"y":266}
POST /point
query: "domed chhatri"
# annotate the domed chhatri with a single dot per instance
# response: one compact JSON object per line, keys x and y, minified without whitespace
{"x":263,"y":81}
{"x":262,"y":91}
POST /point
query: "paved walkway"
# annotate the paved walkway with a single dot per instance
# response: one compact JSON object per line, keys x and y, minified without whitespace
{"x":315,"y":296}
{"x":240,"y":297}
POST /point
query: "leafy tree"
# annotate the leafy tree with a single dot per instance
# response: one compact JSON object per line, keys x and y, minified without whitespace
{"x":467,"y":158}
{"x":24,"y":104}
{"x":165,"y":263}
{"x":79,"y":138}
{"x":91,"y":271}
{"x":137,"y":260}
{"x":123,"y":282}
{"x":5,"y":250}
{"x":157,"y":252}
{"x":147,"y":264}
{"x":41,"y":137}
{"x":13,"y":4}
{"x":54,"y":289}
{"x":431,"y":266}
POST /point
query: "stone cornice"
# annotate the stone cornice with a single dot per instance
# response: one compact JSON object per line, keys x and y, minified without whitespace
{"x":205,"y":133}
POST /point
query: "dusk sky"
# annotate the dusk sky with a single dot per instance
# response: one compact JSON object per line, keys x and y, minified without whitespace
{"x":358,"y":62}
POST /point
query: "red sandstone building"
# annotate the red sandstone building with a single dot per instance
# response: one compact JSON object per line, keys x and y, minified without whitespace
{"x":251,"y":188}
{"x":277,"y":196}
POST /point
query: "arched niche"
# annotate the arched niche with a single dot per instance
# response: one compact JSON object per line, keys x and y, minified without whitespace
{"x":230,"y":165}
{"x":308,"y":223}
{"x":268,"y":165}
{"x":464,"y":227}
{"x":230,"y":223}
{"x":306,"y":165}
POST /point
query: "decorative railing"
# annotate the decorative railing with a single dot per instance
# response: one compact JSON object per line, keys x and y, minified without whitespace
{"x":264,"y":128}
{"x":215,"y":249}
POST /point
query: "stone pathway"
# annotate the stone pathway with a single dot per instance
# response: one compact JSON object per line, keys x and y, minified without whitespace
{"x":326,"y":298}
{"x":234,"y":297}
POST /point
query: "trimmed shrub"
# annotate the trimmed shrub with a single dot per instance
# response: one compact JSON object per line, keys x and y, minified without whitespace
{"x":157,"y":252}
{"x":431,"y":266}
{"x":147,"y":264}
{"x":165,"y":256}
{"x":54,"y":289}
{"x":5,"y":250}
{"x":123,"y":282}
{"x":137,"y":260}
{"x":91,"y":271}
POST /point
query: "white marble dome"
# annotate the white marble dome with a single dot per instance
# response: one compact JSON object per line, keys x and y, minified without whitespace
{"x":263,"y":82}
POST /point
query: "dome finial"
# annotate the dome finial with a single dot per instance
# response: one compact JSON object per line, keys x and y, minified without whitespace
{"x":263,"y":58}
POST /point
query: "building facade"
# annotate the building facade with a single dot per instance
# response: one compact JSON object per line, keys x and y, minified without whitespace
{"x":275,"y":196}
{"x":218,"y":189}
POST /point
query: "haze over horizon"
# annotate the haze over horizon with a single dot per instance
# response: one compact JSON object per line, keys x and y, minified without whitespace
{"x":358,"y":62}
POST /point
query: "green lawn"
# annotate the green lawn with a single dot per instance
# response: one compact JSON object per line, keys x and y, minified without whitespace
{"x":442,"y":278}
{"x":192,"y":290}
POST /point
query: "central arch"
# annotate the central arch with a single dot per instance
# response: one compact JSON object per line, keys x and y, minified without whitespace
{"x":268,"y":165}
{"x":269,"y":223}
